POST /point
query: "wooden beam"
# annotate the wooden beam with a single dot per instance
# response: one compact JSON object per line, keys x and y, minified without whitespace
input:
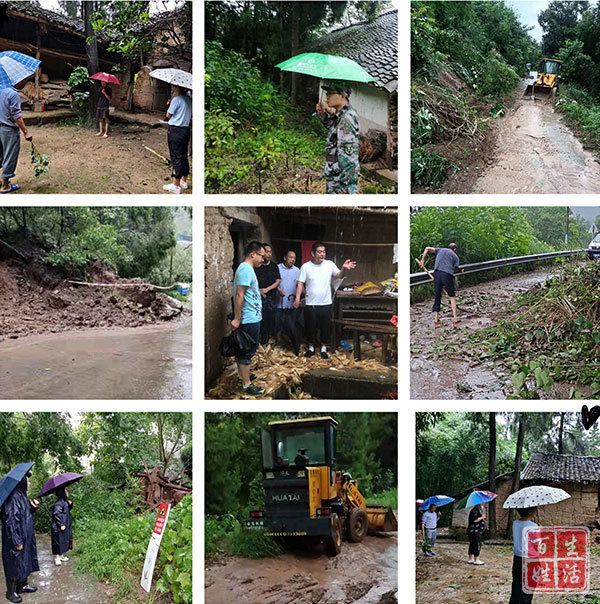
{"x":335,"y":242}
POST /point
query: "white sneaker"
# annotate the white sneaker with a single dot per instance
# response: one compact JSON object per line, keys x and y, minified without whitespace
{"x":57,"y":561}
{"x":479,"y":562}
{"x":64,"y":559}
{"x":183,"y":184}
{"x":470,"y":562}
{"x":172,"y":189}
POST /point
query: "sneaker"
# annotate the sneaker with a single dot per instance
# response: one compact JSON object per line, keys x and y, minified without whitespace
{"x":309,"y":353}
{"x":253,"y":376}
{"x":64,"y":559}
{"x":183,"y":184}
{"x":57,"y":561}
{"x":172,"y":189}
{"x":479,"y":562}
{"x":433,"y":554}
{"x":324,"y":355}
{"x":470,"y":562}
{"x":253,"y":390}
{"x":429,"y":555}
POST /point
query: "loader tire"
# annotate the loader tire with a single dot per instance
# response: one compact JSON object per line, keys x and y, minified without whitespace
{"x":358,"y":525}
{"x":334,"y":541}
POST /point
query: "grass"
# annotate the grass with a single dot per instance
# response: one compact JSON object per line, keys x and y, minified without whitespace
{"x":389,"y":497}
{"x":582,"y":109}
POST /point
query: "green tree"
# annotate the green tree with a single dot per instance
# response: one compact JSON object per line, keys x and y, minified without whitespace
{"x":576,"y":66}
{"x":559,"y":22}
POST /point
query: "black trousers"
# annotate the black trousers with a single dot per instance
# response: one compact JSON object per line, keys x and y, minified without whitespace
{"x":442,"y":280}
{"x":318,"y":317}
{"x":474,"y":543}
{"x":178,"y":139}
{"x":267,"y":325}
{"x":516,"y":595}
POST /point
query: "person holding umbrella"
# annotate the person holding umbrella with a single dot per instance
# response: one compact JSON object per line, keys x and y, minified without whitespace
{"x":62,"y":526}
{"x":19,"y":550}
{"x":14,"y":67}
{"x":526,"y":502}
{"x":429,"y":522}
{"x":179,"y":115}
{"x":476,"y":526}
{"x":104,"y":96}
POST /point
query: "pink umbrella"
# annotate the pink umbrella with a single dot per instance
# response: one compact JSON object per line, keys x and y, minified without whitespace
{"x":106,"y":77}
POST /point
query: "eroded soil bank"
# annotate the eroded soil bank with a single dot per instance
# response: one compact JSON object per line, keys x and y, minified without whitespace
{"x":448,"y":578}
{"x":439,"y":368}
{"x":363,"y":573}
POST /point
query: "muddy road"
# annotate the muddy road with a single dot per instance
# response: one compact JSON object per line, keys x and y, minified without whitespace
{"x":122,"y":363}
{"x":537,"y":153}
{"x":448,"y":578}
{"x":439,"y":368}
{"x":59,"y":584}
{"x":363,"y":573}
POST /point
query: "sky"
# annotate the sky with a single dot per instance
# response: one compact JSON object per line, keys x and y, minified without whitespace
{"x":528,"y":12}
{"x":154,"y":6}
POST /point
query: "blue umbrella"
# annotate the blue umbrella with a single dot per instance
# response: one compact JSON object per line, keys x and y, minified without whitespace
{"x":439,"y":500}
{"x":9,"y":481}
{"x":475,"y":498}
{"x":15,"y":66}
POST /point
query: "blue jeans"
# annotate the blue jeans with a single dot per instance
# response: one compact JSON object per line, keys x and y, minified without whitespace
{"x":253,"y":330}
{"x":10,"y":145}
{"x":431,"y":535}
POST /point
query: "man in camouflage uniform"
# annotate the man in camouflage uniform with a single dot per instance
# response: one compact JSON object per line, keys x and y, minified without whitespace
{"x":341,"y":147}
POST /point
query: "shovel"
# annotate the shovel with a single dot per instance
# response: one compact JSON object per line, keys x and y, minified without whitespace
{"x":424,"y":268}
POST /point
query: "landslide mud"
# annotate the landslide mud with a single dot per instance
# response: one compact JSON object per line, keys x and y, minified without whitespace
{"x":439,"y":369}
{"x":537,"y":153}
{"x":363,"y":573}
{"x":142,"y":363}
{"x":59,"y":584}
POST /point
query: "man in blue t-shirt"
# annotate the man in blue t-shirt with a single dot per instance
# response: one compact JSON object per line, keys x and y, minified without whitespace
{"x":446,"y":262}
{"x":247,"y":311}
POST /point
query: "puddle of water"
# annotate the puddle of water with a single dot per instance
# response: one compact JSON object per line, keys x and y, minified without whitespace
{"x":58,"y":584}
{"x":139,"y":363}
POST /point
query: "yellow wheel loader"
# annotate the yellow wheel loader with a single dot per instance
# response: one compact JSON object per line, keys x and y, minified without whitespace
{"x":305,"y":496}
{"x":546,"y":85}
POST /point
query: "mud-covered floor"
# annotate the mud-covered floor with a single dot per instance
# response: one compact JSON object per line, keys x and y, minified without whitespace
{"x":363,"y":573}
{"x":448,"y":578}
{"x":81,"y":162}
{"x":439,"y":368}
{"x":59,"y":584}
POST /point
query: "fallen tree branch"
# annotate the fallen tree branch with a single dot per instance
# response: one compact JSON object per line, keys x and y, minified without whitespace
{"x":167,"y":161}
{"x":122,"y":285}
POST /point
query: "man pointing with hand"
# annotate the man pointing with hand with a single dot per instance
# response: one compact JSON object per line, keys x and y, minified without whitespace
{"x":315,"y":277}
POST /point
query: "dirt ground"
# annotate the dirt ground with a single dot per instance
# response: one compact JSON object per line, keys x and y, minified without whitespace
{"x":34,"y":301}
{"x":81,"y":162}
{"x":441,"y":366}
{"x":363,"y":573}
{"x":448,"y":578}
{"x":529,"y":150}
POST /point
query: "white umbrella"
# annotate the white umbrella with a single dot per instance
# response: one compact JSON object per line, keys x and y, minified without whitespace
{"x":530,"y":497}
{"x":178,"y":77}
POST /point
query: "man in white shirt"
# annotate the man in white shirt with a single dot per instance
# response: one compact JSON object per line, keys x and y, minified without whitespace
{"x":315,"y":277}
{"x":429,"y":522}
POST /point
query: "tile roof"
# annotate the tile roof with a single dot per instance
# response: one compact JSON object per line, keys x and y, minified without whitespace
{"x":34,"y":10}
{"x":374,"y":46}
{"x":548,"y":467}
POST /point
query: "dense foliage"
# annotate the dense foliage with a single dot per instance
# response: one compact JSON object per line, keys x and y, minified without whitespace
{"x":134,"y":240}
{"x":463,"y":55}
{"x":366,"y":447}
{"x":461,"y":441}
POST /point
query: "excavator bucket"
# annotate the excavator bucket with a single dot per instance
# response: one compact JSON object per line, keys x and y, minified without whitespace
{"x":539,"y":92}
{"x":381,"y":518}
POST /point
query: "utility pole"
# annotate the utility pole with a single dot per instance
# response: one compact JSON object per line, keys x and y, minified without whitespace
{"x":567,"y":233}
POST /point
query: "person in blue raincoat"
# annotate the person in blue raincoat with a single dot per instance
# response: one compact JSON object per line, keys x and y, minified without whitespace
{"x":62,"y":528}
{"x":19,"y":550}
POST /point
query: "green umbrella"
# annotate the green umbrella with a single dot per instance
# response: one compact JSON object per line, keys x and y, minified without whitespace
{"x":327,"y":67}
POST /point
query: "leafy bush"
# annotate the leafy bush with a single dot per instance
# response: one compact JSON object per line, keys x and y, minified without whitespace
{"x":497,"y":79}
{"x":427,"y":168}
{"x":423,"y":126}
{"x":219,"y":128}
{"x":576,"y":66}
{"x":78,"y":77}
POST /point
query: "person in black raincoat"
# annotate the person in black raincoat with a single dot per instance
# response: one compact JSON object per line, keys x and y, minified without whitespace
{"x":62,"y":531}
{"x":19,"y":550}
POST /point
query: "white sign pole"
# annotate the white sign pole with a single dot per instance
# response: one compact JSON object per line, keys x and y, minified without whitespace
{"x":154,"y":545}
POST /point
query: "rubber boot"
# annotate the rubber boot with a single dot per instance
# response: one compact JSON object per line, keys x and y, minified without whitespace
{"x":23,"y":588}
{"x":11,"y":591}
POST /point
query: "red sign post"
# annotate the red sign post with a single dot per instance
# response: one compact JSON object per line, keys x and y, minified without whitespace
{"x":556,"y":559}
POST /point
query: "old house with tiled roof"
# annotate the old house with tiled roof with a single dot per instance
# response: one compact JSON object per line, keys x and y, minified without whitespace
{"x":374,"y":46}
{"x":578,"y":475}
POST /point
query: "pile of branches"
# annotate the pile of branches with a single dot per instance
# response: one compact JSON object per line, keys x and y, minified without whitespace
{"x":450,"y":115}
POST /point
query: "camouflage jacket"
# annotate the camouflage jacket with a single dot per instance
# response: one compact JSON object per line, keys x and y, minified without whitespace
{"x":341,"y":149}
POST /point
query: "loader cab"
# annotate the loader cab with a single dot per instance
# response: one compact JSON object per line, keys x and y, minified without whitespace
{"x":297,"y":444}
{"x":549,"y":66}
